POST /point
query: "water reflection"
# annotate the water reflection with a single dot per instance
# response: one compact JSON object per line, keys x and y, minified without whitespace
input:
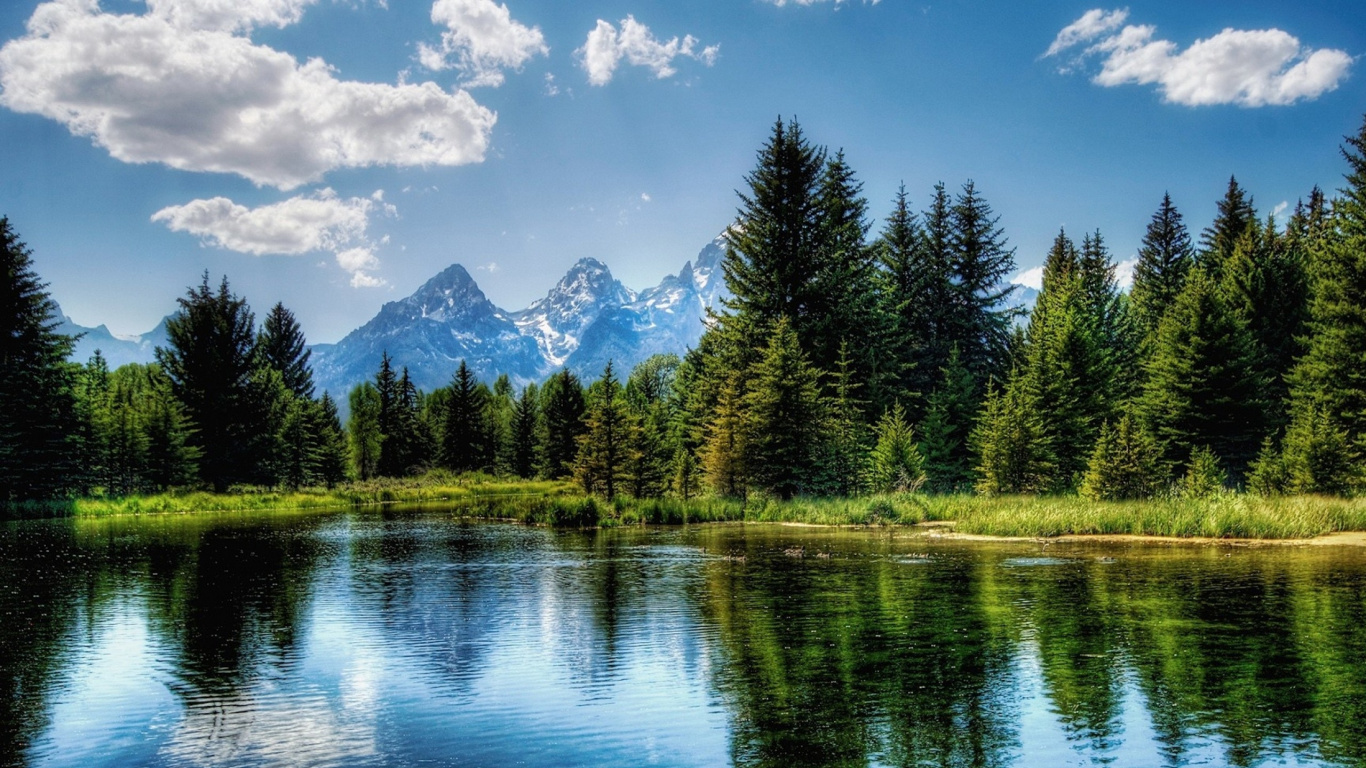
{"x":412,"y":636}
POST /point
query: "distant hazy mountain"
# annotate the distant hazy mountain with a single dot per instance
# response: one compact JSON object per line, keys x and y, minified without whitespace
{"x":587,"y":318}
{"x":117,"y":350}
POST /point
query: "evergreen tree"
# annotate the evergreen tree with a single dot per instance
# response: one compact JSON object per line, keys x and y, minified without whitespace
{"x":37,"y":400}
{"x":1235,"y":215}
{"x":274,"y":453}
{"x":367,"y":440}
{"x":1164,"y":260}
{"x":462,"y":442}
{"x":209,"y":364}
{"x":981,"y":265}
{"x":648,"y":456}
{"x":601,"y":464}
{"x":1126,"y":464}
{"x":687,"y":473}
{"x":846,"y":444}
{"x":562,"y":412}
{"x":1320,"y":456}
{"x":525,"y":413}
{"x":770,"y":264}
{"x":95,"y":409}
{"x":725,"y":447}
{"x":785,"y":417}
{"x":1203,"y":386}
{"x":282,"y":346}
{"x":1011,"y":444}
{"x":915,"y":300}
{"x":949,"y":421}
{"x":1204,"y":477}
{"x":332,"y":446}
{"x":172,"y":459}
{"x":300,"y":451}
{"x":1328,"y":384}
{"x":895,"y":464}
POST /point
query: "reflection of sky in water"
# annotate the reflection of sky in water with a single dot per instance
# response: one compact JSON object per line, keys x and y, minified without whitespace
{"x":410,"y":641}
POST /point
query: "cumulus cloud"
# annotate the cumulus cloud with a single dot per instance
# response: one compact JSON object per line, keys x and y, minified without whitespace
{"x":1091,"y":25}
{"x":606,"y":47}
{"x":481,"y":40}
{"x":180,"y":85}
{"x":1250,"y":68}
{"x":304,"y":224}
{"x":1030,"y":278}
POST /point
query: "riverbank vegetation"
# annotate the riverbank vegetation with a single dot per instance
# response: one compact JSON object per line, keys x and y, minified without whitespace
{"x":846,"y":378}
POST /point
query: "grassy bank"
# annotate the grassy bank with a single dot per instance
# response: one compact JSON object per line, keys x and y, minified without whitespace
{"x":558,"y":503}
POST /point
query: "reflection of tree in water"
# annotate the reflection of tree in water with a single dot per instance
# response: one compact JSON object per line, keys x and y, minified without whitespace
{"x":831,"y":662}
{"x":1077,"y":625}
{"x":43,"y":579}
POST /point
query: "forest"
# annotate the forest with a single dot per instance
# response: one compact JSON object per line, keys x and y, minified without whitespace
{"x":849,"y":358}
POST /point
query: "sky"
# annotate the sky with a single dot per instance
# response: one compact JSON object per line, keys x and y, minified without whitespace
{"x":334,"y":154}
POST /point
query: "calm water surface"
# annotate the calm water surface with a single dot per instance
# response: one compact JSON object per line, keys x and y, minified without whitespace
{"x":415,"y":638}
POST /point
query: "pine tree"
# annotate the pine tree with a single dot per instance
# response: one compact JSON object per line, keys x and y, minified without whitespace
{"x":367,"y":439}
{"x":1328,"y":384}
{"x":914,"y":300}
{"x":1320,"y":456}
{"x":785,"y":416}
{"x":462,"y":442}
{"x":281,"y":345}
{"x":1164,"y":260}
{"x":562,"y":412}
{"x":332,"y":446}
{"x":94,"y":404}
{"x":981,"y":264}
{"x":1126,"y":464}
{"x":525,"y":413}
{"x":846,"y":444}
{"x":601,"y":463}
{"x":771,"y":262}
{"x":172,"y":459}
{"x":209,"y":362}
{"x":1235,"y":215}
{"x":1010,"y":441}
{"x":895,"y":464}
{"x":725,"y":447}
{"x":1203,"y":386}
{"x":952,"y":412}
{"x":648,"y":455}
{"x":1204,"y":477}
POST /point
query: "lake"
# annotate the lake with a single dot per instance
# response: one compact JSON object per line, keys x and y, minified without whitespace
{"x":413,"y":637}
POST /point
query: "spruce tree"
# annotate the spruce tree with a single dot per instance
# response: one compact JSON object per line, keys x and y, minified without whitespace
{"x":949,"y":420}
{"x":1126,"y":464}
{"x":282,"y":346}
{"x":1011,"y":445}
{"x":1203,"y":384}
{"x":1164,"y":260}
{"x":462,"y":441}
{"x":209,"y":362}
{"x":846,"y":444}
{"x":785,"y":417}
{"x":895,"y":464}
{"x":366,"y":437}
{"x":914,"y":300}
{"x":172,"y":459}
{"x":332,"y":446}
{"x":1328,"y":384}
{"x":1235,"y":215}
{"x":392,"y":450}
{"x":981,"y":264}
{"x":725,"y":446}
{"x":562,"y":412}
{"x":525,"y":413}
{"x":600,"y":466}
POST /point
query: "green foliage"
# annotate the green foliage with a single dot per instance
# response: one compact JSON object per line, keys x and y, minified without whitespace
{"x":562,"y":409}
{"x":726,"y":443}
{"x":463,"y":440}
{"x":1204,"y":476}
{"x":1011,"y":443}
{"x":949,"y":421}
{"x":1203,"y":385}
{"x":209,"y":362}
{"x":609,"y":433}
{"x":785,"y":416}
{"x":1235,"y":215}
{"x":1268,"y":475}
{"x":364,"y":428}
{"x":845,"y":447}
{"x":1164,"y":259}
{"x":895,"y":464}
{"x":980,"y":265}
{"x":525,"y":414}
{"x":281,"y":345}
{"x":1319,"y":455}
{"x":1125,"y":465}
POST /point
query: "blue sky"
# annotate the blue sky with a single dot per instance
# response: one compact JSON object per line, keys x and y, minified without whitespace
{"x":334,"y":154}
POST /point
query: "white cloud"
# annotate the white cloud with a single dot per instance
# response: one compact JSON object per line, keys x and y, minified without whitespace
{"x":1091,"y":25}
{"x":1030,"y":278}
{"x":1251,"y":68}
{"x":177,"y":86}
{"x":606,"y":47}
{"x":1278,"y":212}
{"x":304,"y":224}
{"x":551,"y":89}
{"x":490,"y":267}
{"x":481,"y":40}
{"x":645,"y":196}
{"x":1124,"y":273}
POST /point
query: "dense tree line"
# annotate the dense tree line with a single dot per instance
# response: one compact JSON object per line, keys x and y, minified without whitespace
{"x":843,"y":361}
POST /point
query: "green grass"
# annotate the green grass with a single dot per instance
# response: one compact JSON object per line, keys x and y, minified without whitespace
{"x":558,"y":503}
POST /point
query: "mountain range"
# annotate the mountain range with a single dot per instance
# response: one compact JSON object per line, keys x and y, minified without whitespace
{"x":586,"y":319}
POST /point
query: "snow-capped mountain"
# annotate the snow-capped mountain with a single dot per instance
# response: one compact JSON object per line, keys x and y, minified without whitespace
{"x":117,"y":350}
{"x":586,"y":319}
